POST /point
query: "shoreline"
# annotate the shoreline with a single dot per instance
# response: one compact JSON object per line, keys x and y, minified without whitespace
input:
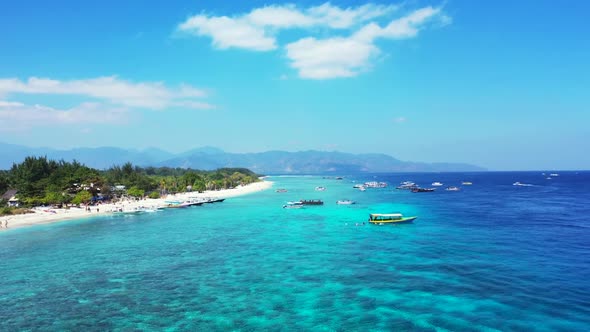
{"x":45,"y":215}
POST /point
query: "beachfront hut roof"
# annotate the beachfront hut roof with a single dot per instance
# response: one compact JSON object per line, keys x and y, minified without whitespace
{"x":10,"y":193}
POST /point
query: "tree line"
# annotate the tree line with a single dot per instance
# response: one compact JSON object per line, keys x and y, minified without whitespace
{"x":41,"y":181}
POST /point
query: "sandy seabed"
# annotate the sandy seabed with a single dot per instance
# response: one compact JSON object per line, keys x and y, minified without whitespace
{"x":44,"y":215}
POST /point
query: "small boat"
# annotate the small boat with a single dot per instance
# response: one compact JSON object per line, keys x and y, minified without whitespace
{"x":311,"y":202}
{"x":389,"y":218}
{"x":345,"y":202}
{"x":286,"y":206}
{"x":293,"y":205}
{"x":407,"y":185}
{"x":375,"y":184}
{"x":423,"y":190}
{"x":320,"y":188}
{"x":214,"y":200}
{"x":339,"y":178}
{"x":553,"y":174}
{"x":466,"y":183}
{"x":360,"y":187}
{"x":436,"y":184}
{"x":179,"y":206}
{"x":520,"y":184}
{"x":281,"y":190}
{"x":453,"y":188}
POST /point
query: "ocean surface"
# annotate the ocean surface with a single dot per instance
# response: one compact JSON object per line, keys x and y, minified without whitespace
{"x":492,"y":256}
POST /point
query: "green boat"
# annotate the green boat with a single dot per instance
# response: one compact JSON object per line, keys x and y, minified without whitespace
{"x":389,"y":218}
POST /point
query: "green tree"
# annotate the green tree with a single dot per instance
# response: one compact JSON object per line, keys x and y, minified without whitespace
{"x":31,"y":177}
{"x":52,"y":197}
{"x":199,"y":185}
{"x":4,"y":185}
{"x":82,"y":197}
{"x":135,"y":192}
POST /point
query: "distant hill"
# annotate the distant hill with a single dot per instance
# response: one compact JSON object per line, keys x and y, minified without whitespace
{"x":207,"y":158}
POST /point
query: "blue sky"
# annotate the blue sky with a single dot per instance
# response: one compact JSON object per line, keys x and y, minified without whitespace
{"x":502,"y":84}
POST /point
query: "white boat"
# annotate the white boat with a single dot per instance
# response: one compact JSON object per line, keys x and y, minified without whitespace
{"x":520,"y":184}
{"x":293,"y":205}
{"x":453,"y":188}
{"x":436,"y":184}
{"x":320,"y":188}
{"x":553,"y":174}
{"x":345,"y":202}
{"x":362,"y":188}
{"x":375,"y":184}
{"x":466,"y":183}
{"x":406,"y":185}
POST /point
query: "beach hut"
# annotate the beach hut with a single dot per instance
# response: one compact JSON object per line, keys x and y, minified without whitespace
{"x":10,"y":197}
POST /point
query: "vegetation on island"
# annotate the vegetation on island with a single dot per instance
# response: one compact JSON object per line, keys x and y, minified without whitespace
{"x":40,"y":181}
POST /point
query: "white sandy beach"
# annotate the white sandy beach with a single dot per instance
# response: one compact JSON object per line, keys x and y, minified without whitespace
{"x":49,"y":215}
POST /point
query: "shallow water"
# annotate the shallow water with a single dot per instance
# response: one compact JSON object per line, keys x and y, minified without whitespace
{"x":490,"y":257}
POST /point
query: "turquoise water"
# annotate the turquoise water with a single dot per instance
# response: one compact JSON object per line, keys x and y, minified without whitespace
{"x":486,"y":258}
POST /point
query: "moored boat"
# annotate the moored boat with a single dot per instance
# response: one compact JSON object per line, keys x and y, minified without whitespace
{"x":389,"y":218}
{"x":407,"y":185}
{"x":452,"y":188}
{"x":375,"y":184}
{"x":345,"y":202}
{"x":293,"y":205}
{"x":320,"y":188}
{"x":311,"y":202}
{"x":423,"y":190}
{"x":179,"y":206}
{"x":466,"y":183}
{"x":213,"y":200}
{"x":436,"y":184}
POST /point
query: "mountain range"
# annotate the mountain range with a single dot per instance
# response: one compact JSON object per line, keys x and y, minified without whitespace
{"x":208,"y":158}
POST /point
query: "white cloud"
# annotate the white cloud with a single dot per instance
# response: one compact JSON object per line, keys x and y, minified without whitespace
{"x":338,"y":18}
{"x":4,"y":104}
{"x":285,"y":16}
{"x":347,"y":57}
{"x":152,"y":95}
{"x":313,"y":57}
{"x":228,"y":32}
{"x":330,"y":58}
{"x":256,"y":30}
{"x":16,"y":116}
{"x":409,"y":25}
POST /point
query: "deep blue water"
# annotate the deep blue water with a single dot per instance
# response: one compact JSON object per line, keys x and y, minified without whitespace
{"x":490,"y":257}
